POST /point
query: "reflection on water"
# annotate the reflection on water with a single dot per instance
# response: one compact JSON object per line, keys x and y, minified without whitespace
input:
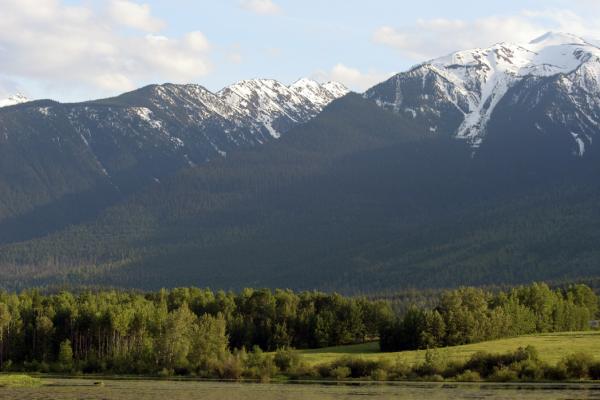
{"x":168,"y":390}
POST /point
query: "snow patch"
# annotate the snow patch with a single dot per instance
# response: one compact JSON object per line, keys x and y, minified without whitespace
{"x":580,"y":144}
{"x":44,"y":111}
{"x":13,"y":100}
{"x":145,"y":114}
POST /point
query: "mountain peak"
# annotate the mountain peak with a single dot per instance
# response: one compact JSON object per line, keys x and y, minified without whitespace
{"x":269,"y":101}
{"x":557,"y":38}
{"x":338,"y":89}
{"x":471,"y":83}
{"x":256,"y":82}
{"x":319,"y":93}
{"x":304,"y":82}
{"x":14,"y":99}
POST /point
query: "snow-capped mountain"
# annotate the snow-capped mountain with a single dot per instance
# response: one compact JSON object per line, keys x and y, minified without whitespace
{"x":460,"y":94}
{"x":266,"y":103}
{"x":50,"y":149}
{"x":188,"y":118}
{"x":13,"y":100}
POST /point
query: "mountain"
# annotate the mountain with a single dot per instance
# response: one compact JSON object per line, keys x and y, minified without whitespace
{"x":463,"y":94}
{"x":359,"y":199}
{"x":12,"y":100}
{"x":61,"y":163}
{"x":478,"y":168}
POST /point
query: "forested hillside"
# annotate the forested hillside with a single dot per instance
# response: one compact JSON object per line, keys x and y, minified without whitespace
{"x":358,"y":199}
{"x":64,"y":163}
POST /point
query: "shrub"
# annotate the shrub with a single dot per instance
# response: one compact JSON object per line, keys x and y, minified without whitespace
{"x":433,"y":378}
{"x":435,"y":364}
{"x":577,"y":365}
{"x":259,"y":365}
{"x":323,"y":370}
{"x":504,"y":374}
{"x":399,"y":369}
{"x":36,"y":366}
{"x":379,"y":374}
{"x":302,"y":370}
{"x":165,"y":373}
{"x":594,"y":371}
{"x":340,"y":373}
{"x":232,"y":367}
{"x":468,"y":376}
{"x":286,"y":359}
{"x":526,"y":353}
{"x":555,"y":372}
{"x":359,"y":367}
{"x":267,"y":370}
{"x":93,"y":365}
{"x":486,"y":364}
{"x":7,"y":366}
{"x":529,"y":370}
{"x":455,"y":368}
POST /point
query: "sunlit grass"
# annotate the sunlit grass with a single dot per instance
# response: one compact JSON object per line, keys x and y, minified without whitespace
{"x":19,"y":381}
{"x":552,"y":347}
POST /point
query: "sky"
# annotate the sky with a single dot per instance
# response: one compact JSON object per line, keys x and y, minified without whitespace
{"x":73,"y":50}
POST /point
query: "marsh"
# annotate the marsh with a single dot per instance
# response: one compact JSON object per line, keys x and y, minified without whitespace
{"x":178,"y":390}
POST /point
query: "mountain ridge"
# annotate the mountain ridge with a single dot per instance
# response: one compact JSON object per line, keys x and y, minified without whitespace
{"x":53,"y":155}
{"x":466,"y":85}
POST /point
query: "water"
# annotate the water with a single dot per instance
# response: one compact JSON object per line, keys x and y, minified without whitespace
{"x":64,"y":389}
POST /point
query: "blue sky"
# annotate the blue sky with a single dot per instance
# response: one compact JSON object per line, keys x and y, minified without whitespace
{"x":79,"y":49}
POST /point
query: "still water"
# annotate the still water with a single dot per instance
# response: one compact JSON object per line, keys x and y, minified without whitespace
{"x":169,"y":390}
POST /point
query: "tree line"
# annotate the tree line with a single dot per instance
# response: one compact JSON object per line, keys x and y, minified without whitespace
{"x":469,"y":315}
{"x":227,"y":334}
{"x":186,"y":329}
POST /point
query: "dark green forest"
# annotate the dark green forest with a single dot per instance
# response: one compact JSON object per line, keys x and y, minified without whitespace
{"x":358,"y":200}
{"x":216,"y":334}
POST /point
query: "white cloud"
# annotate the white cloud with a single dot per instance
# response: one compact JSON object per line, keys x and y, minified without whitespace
{"x":197,"y":41}
{"x":262,"y":7}
{"x":76,"y":51}
{"x":429,"y":38}
{"x":351,"y":77}
{"x":134,"y":15}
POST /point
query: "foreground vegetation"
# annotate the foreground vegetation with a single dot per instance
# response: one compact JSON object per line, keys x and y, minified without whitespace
{"x":199,"y":333}
{"x":522,"y":364}
{"x":19,"y":381}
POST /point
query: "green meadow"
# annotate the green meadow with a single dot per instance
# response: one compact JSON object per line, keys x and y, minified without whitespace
{"x":552,"y":348}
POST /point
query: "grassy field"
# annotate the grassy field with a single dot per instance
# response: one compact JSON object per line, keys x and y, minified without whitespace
{"x":552,"y":347}
{"x":19,"y":381}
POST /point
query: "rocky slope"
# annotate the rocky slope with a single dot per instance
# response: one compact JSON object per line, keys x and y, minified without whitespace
{"x":460,"y":94}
